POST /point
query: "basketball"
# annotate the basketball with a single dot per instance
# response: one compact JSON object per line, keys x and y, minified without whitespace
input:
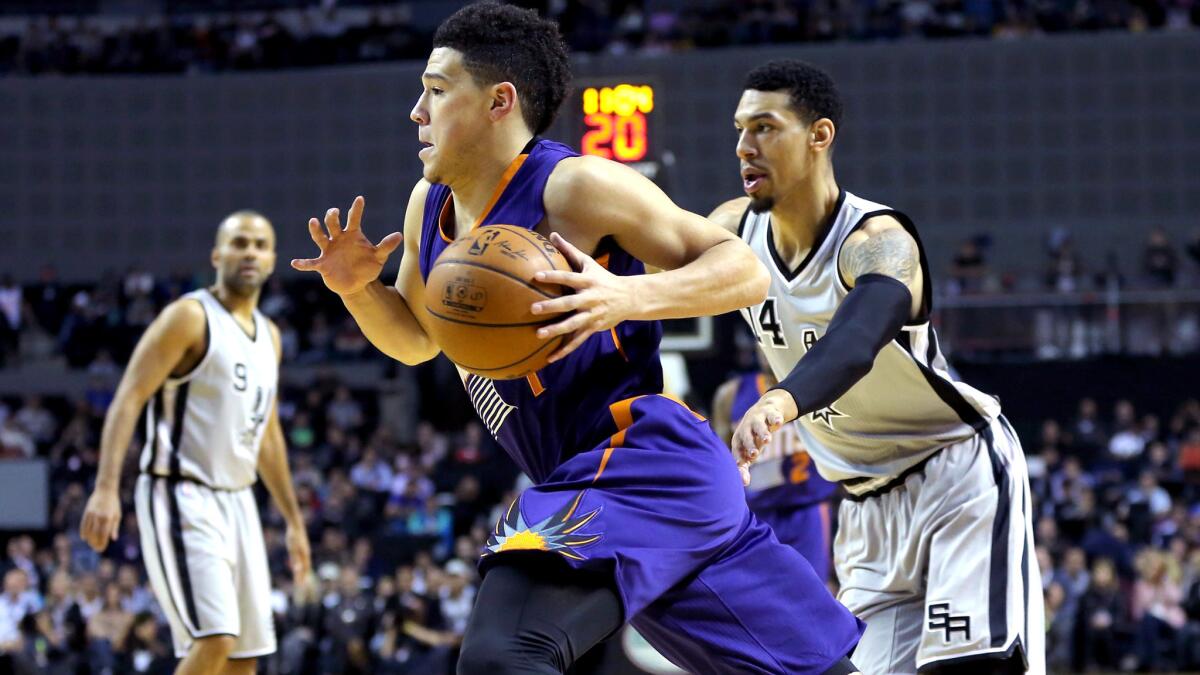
{"x":478,"y":298}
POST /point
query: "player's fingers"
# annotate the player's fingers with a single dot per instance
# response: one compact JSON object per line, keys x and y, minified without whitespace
{"x":744,"y":469}
{"x":114,"y":529}
{"x":305,"y":264}
{"x":569,"y":325}
{"x":566,"y":303}
{"x":333,"y":224}
{"x":319,"y":237}
{"x":387,"y":246}
{"x":85,"y":525}
{"x":97,"y":532}
{"x":774,"y":421}
{"x":354,"y":218}
{"x":573,"y":279}
{"x":739,"y":443}
{"x":573,"y":255}
{"x":762,"y":435}
{"x":571,"y":346}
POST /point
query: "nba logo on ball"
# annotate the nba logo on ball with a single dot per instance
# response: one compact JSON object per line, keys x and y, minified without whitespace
{"x":464,"y":297}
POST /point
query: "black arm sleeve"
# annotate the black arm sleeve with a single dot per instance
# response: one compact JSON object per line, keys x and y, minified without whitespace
{"x":870,"y":317}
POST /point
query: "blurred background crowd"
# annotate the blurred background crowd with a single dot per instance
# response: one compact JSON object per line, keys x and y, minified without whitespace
{"x":186,"y":35}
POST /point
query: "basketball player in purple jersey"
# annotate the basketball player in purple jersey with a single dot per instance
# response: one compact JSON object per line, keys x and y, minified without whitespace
{"x":785,"y":490}
{"x":638,"y":512}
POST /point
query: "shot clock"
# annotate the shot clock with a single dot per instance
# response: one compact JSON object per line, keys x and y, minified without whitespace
{"x":617,"y":121}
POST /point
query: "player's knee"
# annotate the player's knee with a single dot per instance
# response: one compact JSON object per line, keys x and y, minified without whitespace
{"x":215,"y":647}
{"x":525,"y":654}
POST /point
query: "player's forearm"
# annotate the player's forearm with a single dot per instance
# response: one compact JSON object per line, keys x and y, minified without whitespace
{"x":277,"y":477}
{"x":388,"y":323}
{"x":724,"y":278}
{"x":114,"y":440}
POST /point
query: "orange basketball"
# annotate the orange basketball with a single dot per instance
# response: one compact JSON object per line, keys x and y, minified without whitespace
{"x":478,"y":298}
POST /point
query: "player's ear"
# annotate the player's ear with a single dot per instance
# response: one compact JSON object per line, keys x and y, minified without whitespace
{"x":821,"y":133}
{"x":504,"y":100}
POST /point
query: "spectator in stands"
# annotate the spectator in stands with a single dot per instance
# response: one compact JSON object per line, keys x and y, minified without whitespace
{"x":1101,"y":620}
{"x":1128,"y":441}
{"x":372,"y":473}
{"x":20,"y":552}
{"x":969,"y":270}
{"x":347,"y":618}
{"x":87,"y":595}
{"x":15,"y":442}
{"x":1159,"y":260}
{"x":1189,"y":456}
{"x":343,"y":412}
{"x":1156,"y":608}
{"x":1088,"y":431}
{"x":106,"y":630}
{"x":11,"y":306}
{"x":135,"y":597}
{"x":37,"y":421}
{"x":16,"y":602}
{"x":144,"y":649}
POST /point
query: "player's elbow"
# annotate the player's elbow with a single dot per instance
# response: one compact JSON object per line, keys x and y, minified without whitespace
{"x":415,"y":354}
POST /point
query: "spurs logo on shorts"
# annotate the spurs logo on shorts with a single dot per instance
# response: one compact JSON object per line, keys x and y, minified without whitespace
{"x":941,"y":619}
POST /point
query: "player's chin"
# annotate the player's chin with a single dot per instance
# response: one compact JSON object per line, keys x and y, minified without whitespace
{"x":760,"y":203}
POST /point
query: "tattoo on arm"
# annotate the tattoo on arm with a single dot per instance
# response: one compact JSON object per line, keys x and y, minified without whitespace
{"x":891,"y":252}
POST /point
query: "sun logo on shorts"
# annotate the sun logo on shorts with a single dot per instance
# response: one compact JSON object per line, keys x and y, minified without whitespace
{"x":556,"y":533}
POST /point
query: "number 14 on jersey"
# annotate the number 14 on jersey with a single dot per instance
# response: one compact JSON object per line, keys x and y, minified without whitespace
{"x":764,"y":323}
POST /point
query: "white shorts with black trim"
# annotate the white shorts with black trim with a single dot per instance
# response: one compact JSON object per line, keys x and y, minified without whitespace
{"x":207,"y":563}
{"x":941,"y":565}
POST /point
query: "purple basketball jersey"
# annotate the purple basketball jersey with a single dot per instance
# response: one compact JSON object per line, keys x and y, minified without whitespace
{"x":543,"y":420}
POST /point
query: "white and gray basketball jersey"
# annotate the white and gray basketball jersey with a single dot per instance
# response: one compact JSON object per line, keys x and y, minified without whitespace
{"x":907,"y":406}
{"x":208,"y":425}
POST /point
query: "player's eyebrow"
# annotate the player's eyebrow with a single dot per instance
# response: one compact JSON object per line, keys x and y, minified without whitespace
{"x":755,"y":117}
{"x":434,"y":75}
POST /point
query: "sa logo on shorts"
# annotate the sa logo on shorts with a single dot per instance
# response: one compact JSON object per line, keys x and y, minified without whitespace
{"x":940,"y":619}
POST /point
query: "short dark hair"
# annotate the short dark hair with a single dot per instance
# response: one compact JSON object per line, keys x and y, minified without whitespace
{"x":502,"y":43}
{"x":811,"y":91}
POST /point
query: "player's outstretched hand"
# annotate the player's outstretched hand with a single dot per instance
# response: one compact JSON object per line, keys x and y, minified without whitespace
{"x":764,"y":418}
{"x":601,"y":299}
{"x":101,"y":519}
{"x":348,"y":260}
